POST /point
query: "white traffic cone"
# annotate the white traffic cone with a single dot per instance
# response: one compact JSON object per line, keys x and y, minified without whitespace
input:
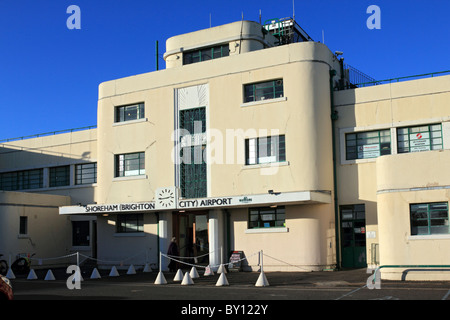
{"x":95,"y":274}
{"x":49,"y":276}
{"x":222,"y":269}
{"x":262,"y":280}
{"x":32,"y":275}
{"x":10,"y":274}
{"x":178,"y":276}
{"x":131,"y":270}
{"x":147,"y":268}
{"x":187,"y":280}
{"x":114,"y":272}
{"x":160,"y":279}
{"x":223,"y":281}
{"x":194,"y":273}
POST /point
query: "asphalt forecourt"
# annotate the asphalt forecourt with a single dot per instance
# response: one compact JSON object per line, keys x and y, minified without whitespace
{"x":230,"y":286}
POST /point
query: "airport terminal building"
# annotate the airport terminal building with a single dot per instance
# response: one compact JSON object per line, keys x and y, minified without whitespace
{"x":254,"y":137}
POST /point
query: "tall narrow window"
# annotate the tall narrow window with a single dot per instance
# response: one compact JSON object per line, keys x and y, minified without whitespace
{"x":130,"y":112}
{"x":265,"y":150}
{"x":23,"y":225}
{"x":131,"y":164}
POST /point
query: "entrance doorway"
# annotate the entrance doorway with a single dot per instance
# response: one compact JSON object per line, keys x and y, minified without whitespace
{"x":353,"y":235}
{"x":191,"y":231}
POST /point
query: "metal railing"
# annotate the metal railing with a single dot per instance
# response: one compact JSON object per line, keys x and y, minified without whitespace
{"x":398,"y":79}
{"x":48,"y":134}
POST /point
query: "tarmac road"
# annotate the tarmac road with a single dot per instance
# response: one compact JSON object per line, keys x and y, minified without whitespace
{"x":284,"y":291}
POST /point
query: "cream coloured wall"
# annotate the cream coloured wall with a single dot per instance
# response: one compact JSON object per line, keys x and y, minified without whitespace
{"x":307,"y":244}
{"x":420,"y":177}
{"x":49,"y":235}
{"x":393,"y":106}
{"x":303,"y":115}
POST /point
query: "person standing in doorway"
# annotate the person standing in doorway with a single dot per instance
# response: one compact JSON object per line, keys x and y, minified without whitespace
{"x":173,"y":251}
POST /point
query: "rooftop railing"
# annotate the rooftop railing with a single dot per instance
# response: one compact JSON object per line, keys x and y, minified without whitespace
{"x":48,"y":134}
{"x":361,"y":84}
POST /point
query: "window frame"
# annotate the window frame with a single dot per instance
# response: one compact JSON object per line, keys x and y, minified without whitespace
{"x":253,"y":94}
{"x":120,"y":112}
{"x":23,"y":225}
{"x":22,"y":180}
{"x":124,"y":220}
{"x":202,"y":54}
{"x":254,"y":156}
{"x":84,"y":177}
{"x":374,"y":149}
{"x":428,"y":218}
{"x":411,"y":130}
{"x":59,"y":176}
{"x":121,"y":164}
{"x":267,"y":223}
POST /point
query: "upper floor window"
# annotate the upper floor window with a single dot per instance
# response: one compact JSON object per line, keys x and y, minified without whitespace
{"x":265,"y":150}
{"x":22,"y":180}
{"x":131,"y":164}
{"x":366,"y":145}
{"x":429,"y":218}
{"x":86,"y":173}
{"x":59,"y":176}
{"x":130,"y":112}
{"x":263,"y":90}
{"x":420,"y":138}
{"x":204,"y":54}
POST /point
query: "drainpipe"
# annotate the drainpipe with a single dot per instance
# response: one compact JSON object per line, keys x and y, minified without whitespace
{"x":334,"y":117}
{"x":227,"y":218}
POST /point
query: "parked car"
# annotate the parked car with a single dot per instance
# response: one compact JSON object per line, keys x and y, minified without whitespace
{"x":6,"y":291}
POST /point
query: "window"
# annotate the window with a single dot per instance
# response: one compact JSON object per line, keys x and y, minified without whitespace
{"x":421,"y":138}
{"x":193,"y":120}
{"x":263,"y":90}
{"x":23,"y":225}
{"x":22,"y":180}
{"x":86,"y":173}
{"x":127,"y":223}
{"x":131,"y":164}
{"x":130,"y":112}
{"x":265,"y":150}
{"x":205,"y":54}
{"x":80,"y":233}
{"x":366,"y":145}
{"x":193,"y":177}
{"x":266,"y":217}
{"x":60,"y":176}
{"x":429,"y":218}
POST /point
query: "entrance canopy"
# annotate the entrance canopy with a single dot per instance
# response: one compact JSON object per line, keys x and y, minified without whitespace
{"x":167,"y":199}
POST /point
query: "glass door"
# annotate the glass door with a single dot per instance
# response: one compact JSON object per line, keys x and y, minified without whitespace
{"x":353,"y":236}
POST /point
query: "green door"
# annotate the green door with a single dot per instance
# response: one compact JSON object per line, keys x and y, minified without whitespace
{"x":353,"y":236}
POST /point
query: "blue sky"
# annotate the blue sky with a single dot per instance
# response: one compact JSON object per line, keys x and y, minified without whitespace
{"x":49,"y":75}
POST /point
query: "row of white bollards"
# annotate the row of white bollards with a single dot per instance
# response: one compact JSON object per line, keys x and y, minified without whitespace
{"x":187,"y":278}
{"x":94,"y":275}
